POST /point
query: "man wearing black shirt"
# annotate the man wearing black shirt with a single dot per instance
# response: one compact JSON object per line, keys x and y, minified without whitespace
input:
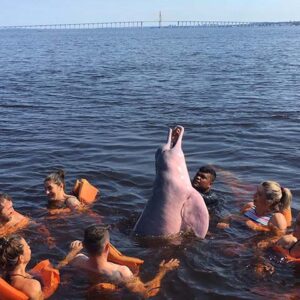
{"x":203,"y":182}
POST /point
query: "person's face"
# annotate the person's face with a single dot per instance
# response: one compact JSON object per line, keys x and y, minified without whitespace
{"x":259,"y":198}
{"x":26,"y":251}
{"x":202,"y":181}
{"x":7,"y":211}
{"x":53,"y":190}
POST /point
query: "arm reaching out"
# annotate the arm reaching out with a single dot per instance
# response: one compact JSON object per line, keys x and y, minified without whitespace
{"x":75,"y":248}
{"x":151,"y":288}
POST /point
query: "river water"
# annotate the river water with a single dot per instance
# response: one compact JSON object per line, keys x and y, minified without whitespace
{"x":98,"y":103}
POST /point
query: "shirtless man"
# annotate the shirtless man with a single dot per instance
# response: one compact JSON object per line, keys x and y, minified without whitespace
{"x":98,"y":268}
{"x":10,"y":220}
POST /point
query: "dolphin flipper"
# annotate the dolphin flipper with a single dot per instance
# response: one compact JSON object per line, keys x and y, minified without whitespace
{"x":195,"y":215}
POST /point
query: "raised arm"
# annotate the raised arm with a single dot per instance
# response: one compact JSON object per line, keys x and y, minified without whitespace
{"x":75,"y":248}
{"x":151,"y":288}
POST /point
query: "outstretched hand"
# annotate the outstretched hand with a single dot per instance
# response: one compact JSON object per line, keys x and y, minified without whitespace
{"x":170,"y":265}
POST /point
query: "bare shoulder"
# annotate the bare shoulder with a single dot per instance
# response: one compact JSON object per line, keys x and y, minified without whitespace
{"x":72,"y":201}
{"x":279,"y":220}
{"x":125,"y":272}
{"x":32,"y":288}
{"x":80,"y":261}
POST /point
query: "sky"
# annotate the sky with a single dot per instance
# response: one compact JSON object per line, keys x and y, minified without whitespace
{"x":34,"y":12}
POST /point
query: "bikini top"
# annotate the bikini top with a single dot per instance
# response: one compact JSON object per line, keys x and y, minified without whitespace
{"x":263,"y":220}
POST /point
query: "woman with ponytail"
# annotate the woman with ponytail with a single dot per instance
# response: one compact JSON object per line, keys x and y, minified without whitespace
{"x":55,"y":190}
{"x":269,"y":210}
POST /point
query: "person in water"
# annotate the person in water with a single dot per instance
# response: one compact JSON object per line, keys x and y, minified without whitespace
{"x":98,"y":268}
{"x":55,"y":190}
{"x":10,"y":220}
{"x":291,"y":241}
{"x":270,"y":209}
{"x":15,"y":254}
{"x":203,"y":182}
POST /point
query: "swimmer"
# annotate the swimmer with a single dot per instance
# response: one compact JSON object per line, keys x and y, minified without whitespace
{"x":15,"y":254}
{"x":267,"y":211}
{"x":203,"y":182}
{"x":99,"y":269}
{"x":10,"y":220}
{"x":291,"y":241}
{"x":55,"y":190}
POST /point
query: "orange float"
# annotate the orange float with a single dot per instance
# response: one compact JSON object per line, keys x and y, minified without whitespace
{"x":85,"y":192}
{"x":50,"y":279}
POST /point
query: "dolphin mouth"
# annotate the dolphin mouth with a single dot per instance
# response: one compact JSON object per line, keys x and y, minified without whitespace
{"x":175,"y":136}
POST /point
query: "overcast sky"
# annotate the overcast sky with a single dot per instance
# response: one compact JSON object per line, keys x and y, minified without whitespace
{"x":27,"y":12}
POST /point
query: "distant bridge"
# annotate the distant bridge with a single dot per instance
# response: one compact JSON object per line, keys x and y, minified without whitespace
{"x":145,"y":24}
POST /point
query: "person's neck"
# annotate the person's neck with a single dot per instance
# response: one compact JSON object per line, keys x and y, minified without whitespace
{"x":19,"y":270}
{"x":99,"y":260}
{"x":62,"y":197}
{"x":201,"y":190}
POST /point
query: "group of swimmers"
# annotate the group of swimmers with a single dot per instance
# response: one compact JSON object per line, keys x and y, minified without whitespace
{"x":15,"y":253}
{"x":270,"y":211}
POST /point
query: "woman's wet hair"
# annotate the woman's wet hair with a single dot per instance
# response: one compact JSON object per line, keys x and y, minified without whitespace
{"x":95,"y":239}
{"x":57,"y":177}
{"x":279,"y":197}
{"x":10,"y":250}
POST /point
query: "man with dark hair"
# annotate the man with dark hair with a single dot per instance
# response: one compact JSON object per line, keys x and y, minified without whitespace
{"x":203,"y":182}
{"x":98,"y":268}
{"x":10,"y":220}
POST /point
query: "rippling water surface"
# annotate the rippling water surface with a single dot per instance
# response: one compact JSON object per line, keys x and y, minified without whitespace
{"x":98,"y":103}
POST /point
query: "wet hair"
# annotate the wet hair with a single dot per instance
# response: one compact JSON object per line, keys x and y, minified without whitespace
{"x":279,"y":197}
{"x":10,"y":250}
{"x":57,"y":177}
{"x":208,"y":170}
{"x":95,"y":239}
{"x":4,"y":197}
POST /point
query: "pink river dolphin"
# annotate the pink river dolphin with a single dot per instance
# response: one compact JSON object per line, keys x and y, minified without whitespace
{"x":175,"y":205}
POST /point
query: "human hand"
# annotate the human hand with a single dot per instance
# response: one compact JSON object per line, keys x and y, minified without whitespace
{"x":170,"y":265}
{"x":223,"y":225}
{"x":76,"y":245}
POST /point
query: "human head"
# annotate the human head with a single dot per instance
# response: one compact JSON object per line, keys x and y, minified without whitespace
{"x":6,"y":208}
{"x":272,"y":195}
{"x":54,"y":185}
{"x":14,"y":250}
{"x":96,"y":239}
{"x":204,"y":178}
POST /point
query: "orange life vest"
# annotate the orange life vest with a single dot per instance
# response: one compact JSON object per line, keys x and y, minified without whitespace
{"x":85,"y":192}
{"x":50,"y":280}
